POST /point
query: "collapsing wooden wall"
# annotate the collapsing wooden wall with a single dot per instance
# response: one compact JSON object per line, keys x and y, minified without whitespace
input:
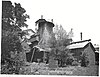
{"x":45,"y":35}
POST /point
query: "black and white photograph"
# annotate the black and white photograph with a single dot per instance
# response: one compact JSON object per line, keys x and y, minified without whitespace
{"x":50,"y":37}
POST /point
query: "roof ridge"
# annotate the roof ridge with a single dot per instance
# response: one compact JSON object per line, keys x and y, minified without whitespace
{"x":81,"y":41}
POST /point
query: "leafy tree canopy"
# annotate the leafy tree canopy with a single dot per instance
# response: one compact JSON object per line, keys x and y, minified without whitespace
{"x":13,"y":18}
{"x":62,"y":37}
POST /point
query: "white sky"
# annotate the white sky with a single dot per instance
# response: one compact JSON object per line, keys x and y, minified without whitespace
{"x":81,"y":15}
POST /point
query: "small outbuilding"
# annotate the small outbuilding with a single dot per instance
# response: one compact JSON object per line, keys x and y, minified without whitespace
{"x":83,"y":51}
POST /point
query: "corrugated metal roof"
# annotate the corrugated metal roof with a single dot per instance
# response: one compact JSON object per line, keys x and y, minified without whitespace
{"x":77,"y":45}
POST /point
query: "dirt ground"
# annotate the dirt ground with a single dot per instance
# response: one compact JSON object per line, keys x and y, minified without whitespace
{"x":42,"y":69}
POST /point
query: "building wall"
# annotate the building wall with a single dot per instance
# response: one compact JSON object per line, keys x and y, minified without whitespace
{"x":91,"y":55}
{"x":41,"y":29}
{"x":45,"y":26}
{"x":77,"y":53}
{"x":45,"y":33}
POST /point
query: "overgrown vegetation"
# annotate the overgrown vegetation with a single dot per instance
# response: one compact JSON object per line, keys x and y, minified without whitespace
{"x":59,"y":50}
{"x":12,"y":52}
{"x":13,"y":18}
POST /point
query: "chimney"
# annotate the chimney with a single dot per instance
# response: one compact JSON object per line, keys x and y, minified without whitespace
{"x":52,"y":20}
{"x":81,"y":35}
{"x":41,"y":16}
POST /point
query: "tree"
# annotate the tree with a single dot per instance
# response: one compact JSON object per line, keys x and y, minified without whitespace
{"x":13,"y":18}
{"x":61,"y":36}
{"x":59,"y":50}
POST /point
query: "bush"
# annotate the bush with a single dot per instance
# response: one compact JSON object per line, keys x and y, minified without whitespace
{"x":75,"y":63}
{"x":85,"y":60}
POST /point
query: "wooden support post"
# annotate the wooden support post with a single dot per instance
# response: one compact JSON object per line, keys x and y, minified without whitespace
{"x":44,"y":57}
{"x":32,"y":54}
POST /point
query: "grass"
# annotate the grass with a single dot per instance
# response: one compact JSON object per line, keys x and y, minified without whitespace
{"x":42,"y":69}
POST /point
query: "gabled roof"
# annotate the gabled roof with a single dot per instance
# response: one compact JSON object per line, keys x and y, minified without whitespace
{"x":77,"y":45}
{"x":80,"y":44}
